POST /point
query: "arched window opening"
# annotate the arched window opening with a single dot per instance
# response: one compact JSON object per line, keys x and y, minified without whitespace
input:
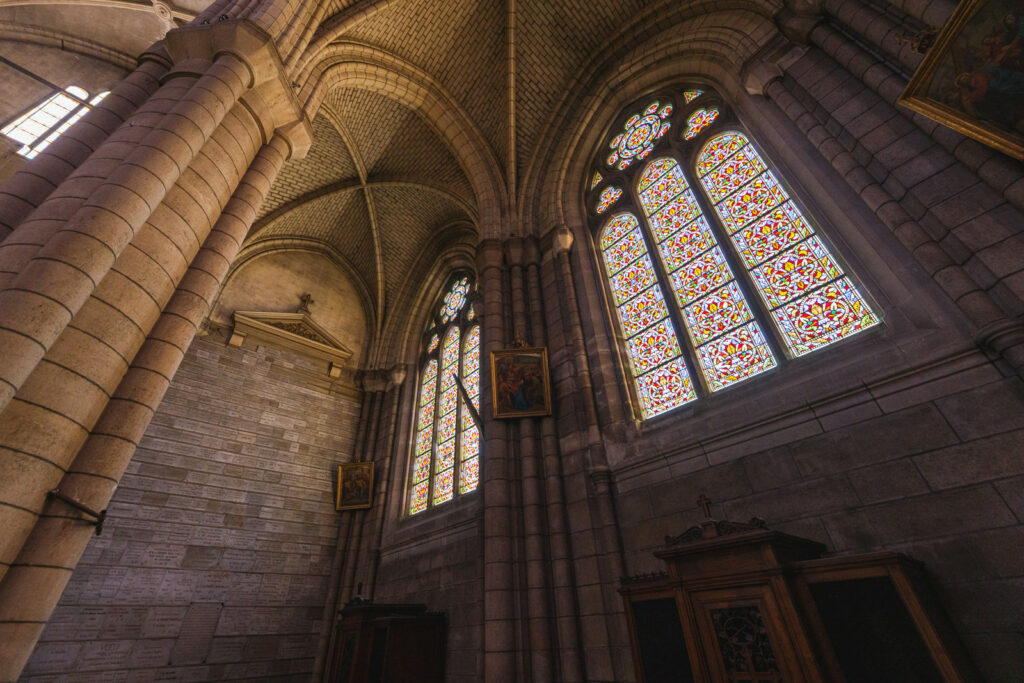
{"x":40,"y":126}
{"x":751,"y":284}
{"x":446,"y":447}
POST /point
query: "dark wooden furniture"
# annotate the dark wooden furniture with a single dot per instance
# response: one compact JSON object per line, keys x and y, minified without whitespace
{"x":379,"y":643}
{"x":743,"y":604}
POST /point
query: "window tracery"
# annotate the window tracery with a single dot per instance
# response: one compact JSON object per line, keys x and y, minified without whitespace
{"x":706,"y":226}
{"x":446,"y":446}
{"x":44,"y":123}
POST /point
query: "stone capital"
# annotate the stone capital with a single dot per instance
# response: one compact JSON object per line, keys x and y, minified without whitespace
{"x":561,"y":239}
{"x":269,"y":96}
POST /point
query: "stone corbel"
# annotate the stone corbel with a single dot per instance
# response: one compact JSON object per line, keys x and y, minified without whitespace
{"x":561,"y":240}
{"x":382,"y":379}
{"x":769,"y":64}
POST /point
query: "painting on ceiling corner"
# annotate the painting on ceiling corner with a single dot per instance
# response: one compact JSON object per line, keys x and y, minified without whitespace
{"x":972,"y":79}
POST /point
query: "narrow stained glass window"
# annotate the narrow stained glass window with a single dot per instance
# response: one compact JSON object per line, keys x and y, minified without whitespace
{"x":446,"y":448}
{"x":424,"y":439}
{"x":596,"y":180}
{"x":659,"y":370}
{"x":728,"y":340}
{"x":811,"y":300}
{"x":469,"y":472}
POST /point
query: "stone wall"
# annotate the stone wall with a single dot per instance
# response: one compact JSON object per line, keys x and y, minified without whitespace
{"x":928,"y":465}
{"x":216,"y":555}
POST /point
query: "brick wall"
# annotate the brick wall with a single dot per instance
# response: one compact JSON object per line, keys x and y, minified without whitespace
{"x":217,"y":551}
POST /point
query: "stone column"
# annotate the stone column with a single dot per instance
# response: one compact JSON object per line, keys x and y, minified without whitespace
{"x":32,"y":587}
{"x":605,"y":640}
{"x":564,"y":605}
{"x":42,"y":299}
{"x":533,"y":504}
{"x":26,"y":189}
{"x":496,"y":484}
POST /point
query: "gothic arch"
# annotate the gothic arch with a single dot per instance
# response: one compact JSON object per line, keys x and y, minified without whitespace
{"x":355,"y":65}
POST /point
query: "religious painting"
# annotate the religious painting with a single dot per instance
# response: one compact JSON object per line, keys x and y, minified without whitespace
{"x":355,"y":486}
{"x":972,"y":79}
{"x":519,"y":382}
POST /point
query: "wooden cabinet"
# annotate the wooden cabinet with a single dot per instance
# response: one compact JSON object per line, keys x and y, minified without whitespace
{"x":387,"y":644}
{"x":739,"y":603}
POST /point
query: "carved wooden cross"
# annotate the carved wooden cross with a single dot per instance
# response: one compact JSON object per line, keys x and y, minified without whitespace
{"x":705,"y":503}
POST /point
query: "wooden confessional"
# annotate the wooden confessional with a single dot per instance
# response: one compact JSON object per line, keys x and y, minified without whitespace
{"x":379,"y":643}
{"x":740,"y":603}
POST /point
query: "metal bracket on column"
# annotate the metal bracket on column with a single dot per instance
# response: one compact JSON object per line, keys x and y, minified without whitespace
{"x":100,"y":516}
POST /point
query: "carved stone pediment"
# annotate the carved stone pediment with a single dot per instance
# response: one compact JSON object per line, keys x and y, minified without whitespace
{"x":294,"y":331}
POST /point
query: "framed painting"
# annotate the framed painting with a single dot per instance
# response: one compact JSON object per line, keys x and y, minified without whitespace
{"x":520,"y":384}
{"x":355,"y":486}
{"x":972,"y":79}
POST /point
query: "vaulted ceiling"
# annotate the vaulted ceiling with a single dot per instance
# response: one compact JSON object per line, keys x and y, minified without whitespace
{"x":384,"y":183}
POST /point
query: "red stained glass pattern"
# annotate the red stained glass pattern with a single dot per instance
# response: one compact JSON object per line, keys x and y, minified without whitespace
{"x":717,"y":150}
{"x":698,"y":121}
{"x":674,"y":215}
{"x":716,"y":313}
{"x":433,"y":344}
{"x":750,"y":201}
{"x":469,"y":475}
{"x":661,"y":376}
{"x":469,"y":466}
{"x":654,"y":170}
{"x":625,"y":251}
{"x":632,"y":280}
{"x":824,"y":316}
{"x":697,"y":268}
{"x":421,"y":470}
{"x":736,"y":355}
{"x":642,"y":311}
{"x":694,"y":239}
{"x":443,"y":484}
{"x":691,"y":95}
{"x":779,"y":229}
{"x":665,"y":388}
{"x":454,"y":299}
{"x":446,"y":454}
{"x":418,"y":498}
{"x":794,"y":272}
{"x":813,"y":303}
{"x":609,"y":196}
{"x":616,"y":228}
{"x":739,"y":169}
{"x":596,"y":180}
{"x":653,"y":346}
{"x":663,"y":189}
{"x":700,"y":276}
{"x":639,"y":135}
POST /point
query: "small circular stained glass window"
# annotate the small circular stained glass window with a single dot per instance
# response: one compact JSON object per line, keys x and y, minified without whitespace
{"x":641,"y":132}
{"x":454,"y":299}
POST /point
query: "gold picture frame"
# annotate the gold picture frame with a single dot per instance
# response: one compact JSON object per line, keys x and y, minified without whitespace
{"x":520,"y":383}
{"x":355,"y":486}
{"x":972,"y":79}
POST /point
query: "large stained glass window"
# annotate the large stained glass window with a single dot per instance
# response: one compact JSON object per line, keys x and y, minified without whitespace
{"x":810,"y":298}
{"x":446,"y":446}
{"x":710,"y":263}
{"x":43,"y":124}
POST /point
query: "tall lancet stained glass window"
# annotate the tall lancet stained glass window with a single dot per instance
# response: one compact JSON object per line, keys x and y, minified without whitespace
{"x":715,"y":273}
{"x":446,"y":441}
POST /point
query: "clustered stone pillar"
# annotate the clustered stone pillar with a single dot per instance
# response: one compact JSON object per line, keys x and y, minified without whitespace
{"x":108,"y":282}
{"x":497,"y":475}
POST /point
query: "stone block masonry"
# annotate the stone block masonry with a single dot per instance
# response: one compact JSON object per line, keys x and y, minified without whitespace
{"x":215,"y":558}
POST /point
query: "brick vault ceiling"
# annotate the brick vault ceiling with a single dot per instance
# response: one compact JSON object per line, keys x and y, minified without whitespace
{"x":379,"y":181}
